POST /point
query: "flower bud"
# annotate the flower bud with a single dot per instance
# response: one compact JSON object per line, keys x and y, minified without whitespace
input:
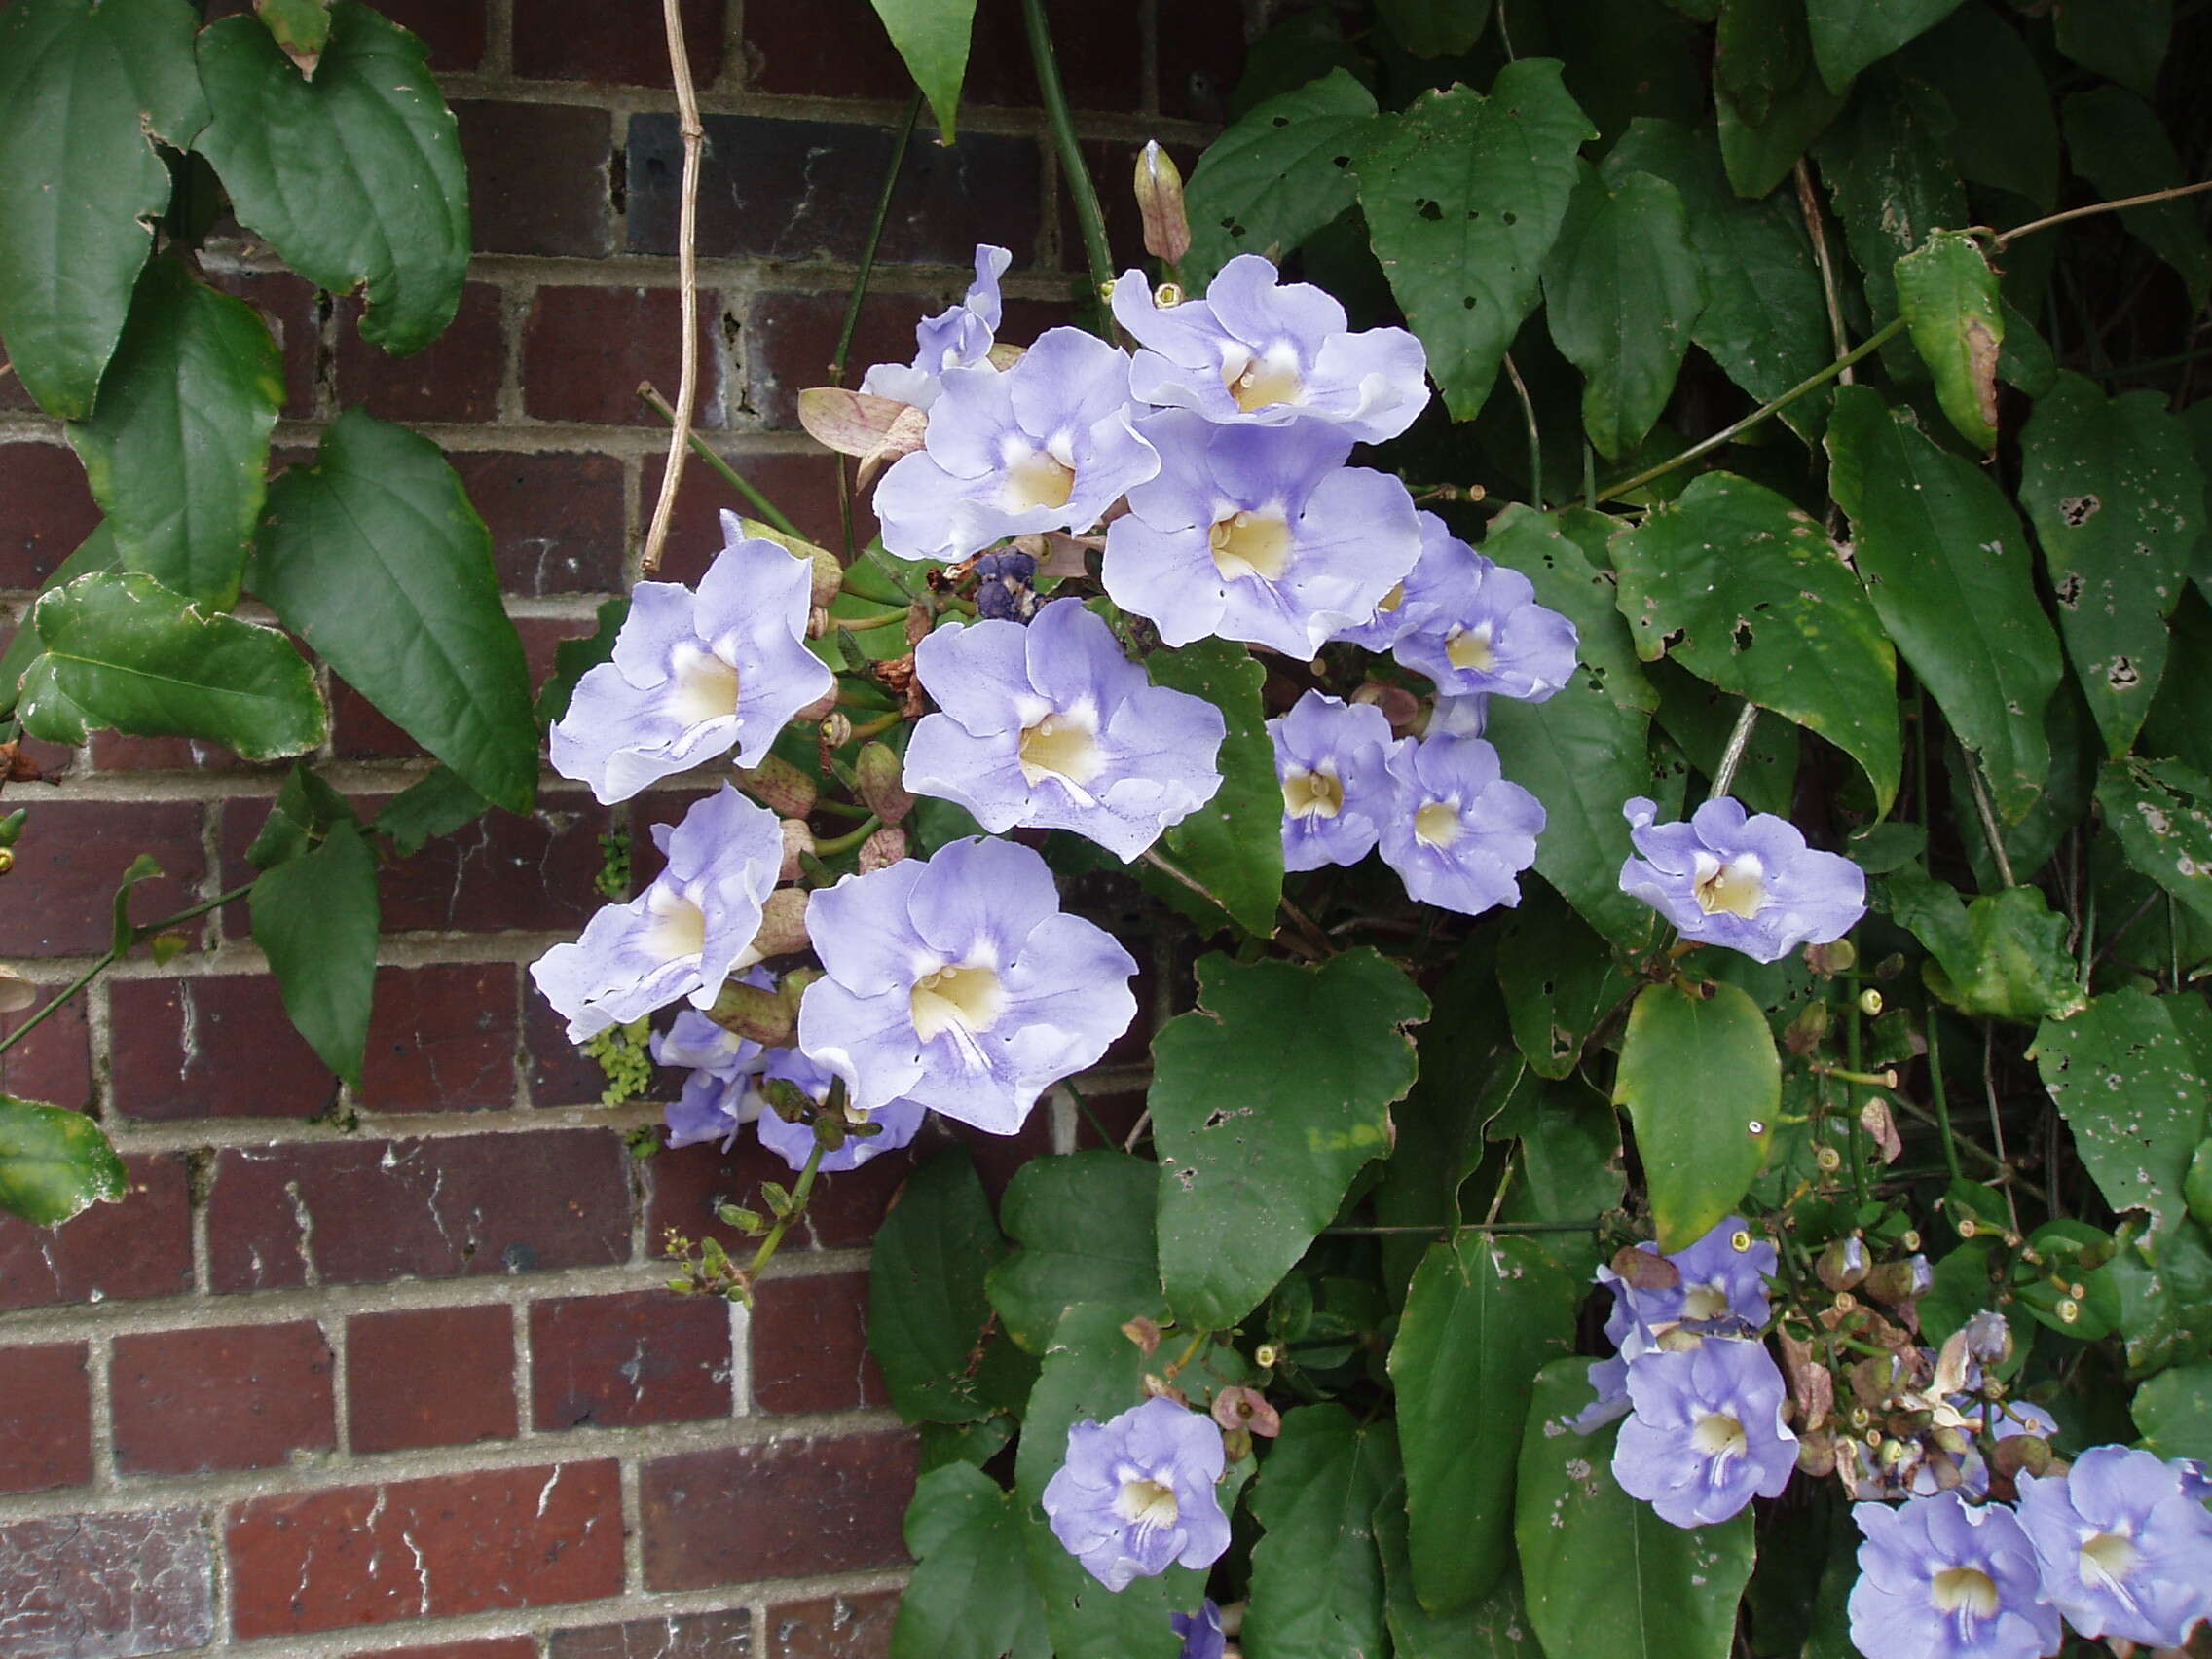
{"x":769,"y":1018}
{"x":1869,"y":1001}
{"x":11,"y":825}
{"x":783,"y":923}
{"x":2018,"y":1454}
{"x":1236,"y":1445}
{"x":1267,"y":1356}
{"x":1989,"y":1339}
{"x":882,"y":782}
{"x":780,"y":787}
{"x":1843,"y":1264}
{"x":1145,"y":1332}
{"x":1816,"y":1454}
{"x":799,"y":841}
{"x":820,"y":709}
{"x":886,"y":847}
{"x":1642,"y":1269}
{"x":1835,"y":957}
{"x":1895,"y":1283}
{"x":836,"y":729}
{"x":1160,"y":201}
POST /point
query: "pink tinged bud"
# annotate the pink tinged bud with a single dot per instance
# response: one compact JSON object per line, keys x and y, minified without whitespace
{"x":1644,"y":1271}
{"x":1160,"y":201}
{"x":1143,"y":1332}
{"x":1877,"y":1121}
{"x":783,"y":923}
{"x":821,"y":708}
{"x":886,"y":847}
{"x":779,"y":785}
{"x":880,"y":776}
{"x":799,"y":838}
{"x":1400,"y":707}
{"x":1246,"y":1409}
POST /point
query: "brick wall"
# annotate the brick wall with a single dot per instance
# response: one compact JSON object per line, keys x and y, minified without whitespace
{"x":391,"y":1372}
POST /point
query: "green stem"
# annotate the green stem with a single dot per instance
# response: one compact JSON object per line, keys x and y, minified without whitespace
{"x":798,"y":1206}
{"x":736,"y":480}
{"x":1536,"y":437}
{"x":1851,"y":1124}
{"x":851,"y":839}
{"x":867,"y":268}
{"x":1941,"y":1096}
{"x":1088,"y":213}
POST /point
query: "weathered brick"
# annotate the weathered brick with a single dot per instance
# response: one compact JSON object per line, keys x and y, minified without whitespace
{"x":804,"y":487}
{"x":292,"y":307}
{"x":50,"y":511}
{"x":429,"y":1377}
{"x":723,"y":1635}
{"x":836,"y":1627}
{"x":538,"y":178}
{"x":432,"y":1548}
{"x":141,"y":1247}
{"x":46,"y":1428}
{"x":788,"y":339}
{"x":447,"y":1207}
{"x":455,"y":378}
{"x":71,"y":859}
{"x":442,"y":1039}
{"x":789,"y":51}
{"x":583,"y":40}
{"x":55,"y":1062}
{"x":120,"y":751}
{"x":106,"y":1586}
{"x":559,"y":1072}
{"x":453,"y":30}
{"x":773,"y":188}
{"x":739,"y":1513}
{"x":556,"y":519}
{"x":614,"y":1361}
{"x":490,"y":1647}
{"x":233,"y":1397}
{"x":584,"y":351}
{"x":810,"y":1346}
{"x":686,"y":1186}
{"x":174,"y":1047}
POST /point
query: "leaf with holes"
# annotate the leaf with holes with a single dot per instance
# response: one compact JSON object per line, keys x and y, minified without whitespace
{"x":2161,"y":811}
{"x":1948,"y":296}
{"x":1318,"y":1588}
{"x":1277,"y":175}
{"x":1564,"y":556}
{"x":1083,"y":1225}
{"x":55,"y":1163}
{"x":1702,"y":1084}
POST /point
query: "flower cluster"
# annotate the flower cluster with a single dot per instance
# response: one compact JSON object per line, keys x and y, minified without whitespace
{"x":1748,"y":882}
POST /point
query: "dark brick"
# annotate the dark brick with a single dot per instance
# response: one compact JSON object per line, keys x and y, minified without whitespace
{"x":53,"y":1064}
{"x":453,"y":30}
{"x":1102,"y":52}
{"x":455,"y":378}
{"x":237,"y":1397}
{"x":434,"y":1548}
{"x":795,"y":1507}
{"x":1200,"y":54}
{"x":584,"y":351}
{"x":108,"y":1586}
{"x":788,"y":339}
{"x":292,"y":307}
{"x":124,"y":1252}
{"x":46,"y":1431}
{"x":119,"y":751}
{"x":586,"y":40}
{"x":804,"y":487}
{"x":454,"y":1206}
{"x":726,"y":1635}
{"x":175,"y":1043}
{"x":794,"y":190}
{"x":50,"y":511}
{"x":538,"y":177}
{"x":685,"y":1186}
{"x":429,"y":1377}
{"x":837,"y":1627}
{"x":556,"y":519}
{"x":491,"y":1647}
{"x":442,"y":1039}
{"x":559,"y":1072}
{"x":810,"y":1346}
{"x":71,"y":859}
{"x":359,"y":731}
{"x":787,"y":50}
{"x":615,"y":1361}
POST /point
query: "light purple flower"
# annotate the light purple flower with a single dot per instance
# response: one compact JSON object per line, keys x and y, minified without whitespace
{"x":1459,"y":834}
{"x":1488,"y":633}
{"x":716,"y":1100}
{"x":1136,"y":1494}
{"x":1337,"y":790}
{"x":2125,"y":1551}
{"x":897,"y":1122}
{"x":952,"y":339}
{"x":1258,"y":534}
{"x":958,"y":982}
{"x":695,"y":674}
{"x":1459,"y":716}
{"x":1708,"y":1432}
{"x":681,"y":937}
{"x":1447,"y":569}
{"x":1050,"y":726}
{"x":1722,"y":1293}
{"x":1201,"y":1632}
{"x":1749,"y":883}
{"x":1252,"y":352}
{"x":1045,"y":445}
{"x":1940,"y":1578}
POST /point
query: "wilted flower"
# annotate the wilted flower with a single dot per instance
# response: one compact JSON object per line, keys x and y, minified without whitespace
{"x":1460,"y":834}
{"x":1749,"y":883}
{"x":681,"y":937}
{"x":695,"y":674}
{"x":952,"y":339}
{"x":1708,"y":1431}
{"x":1136,"y":1494}
{"x":957,"y":982}
{"x":1488,"y":633}
{"x":1258,"y":534}
{"x":1255,"y":352}
{"x":1337,"y":790}
{"x":1053,"y":727}
{"x":1005,"y":586}
{"x":1201,"y":1632}
{"x":897,"y":1122}
{"x":1720,"y":1291}
{"x":1445,"y":569}
{"x":1045,"y":445}
{"x":1940,"y":1578}
{"x":2125,"y":1551}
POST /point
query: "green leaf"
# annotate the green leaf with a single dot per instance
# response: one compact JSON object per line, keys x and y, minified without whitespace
{"x":1604,"y":1576}
{"x":1482,"y":1317}
{"x":1745,"y":591}
{"x":1435,"y":28}
{"x":573,"y":660}
{"x":2174,"y":1412}
{"x":1229,"y":844}
{"x":316,"y":919}
{"x":962,"y":1603}
{"x":121,"y":651}
{"x":373,"y":556}
{"x":2116,"y":498}
{"x":2161,"y":811}
{"x":1760,"y":48}
{"x":1084,"y":1223}
{"x":1570,"y":1167}
{"x":143,"y":867}
{"x":927,"y":1312}
{"x":1851,"y":35}
{"x":1559,"y":979}
{"x":1281,"y":173}
{"x":1948,"y":296}
{"x":300,"y":817}
{"x":1267,"y":1098}
{"x":1768,"y":96}
{"x":932,"y":37}
{"x":2007,"y":133}
{"x":1942,"y":557}
{"x":1701,"y":720}
{"x":437,"y":803}
{"x":1565,"y":557}
{"x":355,"y":178}
{"x":2117,"y":143}
{"x":1702,"y":1084}
{"x":2124,"y":39}
{"x":176,"y":451}
{"x":302,"y":27}
{"x":2163,"y":1292}
{"x":1889,"y":178}
{"x":96,"y":554}
{"x":1463,"y":197}
{"x":84,"y":89}
{"x":1496,"y":1627}
{"x":54,"y":1163}
{"x":2002,"y":956}
{"x":1316,"y":1573}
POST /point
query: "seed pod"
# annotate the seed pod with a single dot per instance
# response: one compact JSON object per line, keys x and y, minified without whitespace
{"x":798,"y":844}
{"x":780,"y":787}
{"x":783,"y":923}
{"x":886,"y":847}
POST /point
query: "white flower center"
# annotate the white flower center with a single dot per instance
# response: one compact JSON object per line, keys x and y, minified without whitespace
{"x":1704,"y":1302}
{"x":1964,"y":1590}
{"x":2107,"y":1560}
{"x":1470,"y":649}
{"x":1738,"y":887}
{"x":963,"y":1000}
{"x":1272,"y":376}
{"x":1060,"y":746}
{"x":706,"y":687}
{"x":1251,"y":544}
{"x":1039,"y":479}
{"x":1437,"y":824}
{"x":678,"y":927}
{"x":1720,"y":1437}
{"x":1312,"y":795}
{"x":1146,"y":1504}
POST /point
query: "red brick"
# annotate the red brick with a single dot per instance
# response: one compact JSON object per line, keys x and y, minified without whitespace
{"x":539,"y":177}
{"x":456,"y":377}
{"x":1200,"y":54}
{"x":453,"y":30}
{"x":810,"y":1346}
{"x":559,"y":1072}
{"x":791,"y":1510}
{"x":789,"y":50}
{"x":50,"y":511}
{"x":429,"y":1377}
{"x":434,"y":1548}
{"x":120,"y":751}
{"x":491,"y":1647}
{"x":359,"y":731}
{"x":790,"y":338}
{"x":449,"y":1208}
{"x":55,"y":1062}
{"x":141,"y":1247}
{"x":615,"y":1361}
{"x":803,"y":487}
{"x":71,"y":859}
{"x":108,"y":1586}
{"x":237,"y":1397}
{"x":686,"y":1186}
{"x":726,"y":1635}
{"x":584,"y":351}
{"x":46,"y":1430}
{"x":442,"y":1039}
{"x":158,"y":1074}
{"x":1100,"y":51}
{"x":556,"y":520}
{"x":293,"y":308}
{"x":837,"y":1627}
{"x":586,"y":40}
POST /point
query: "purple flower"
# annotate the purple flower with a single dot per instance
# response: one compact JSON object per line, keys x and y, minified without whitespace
{"x":952,"y":339}
{"x":1337,"y":790}
{"x":716,"y":1100}
{"x":1136,"y":1493}
{"x":1459,"y":716}
{"x":1459,"y":834}
{"x":1201,"y":1632}
{"x":1444,"y":570}
{"x":1258,"y":534}
{"x":1253,"y":353}
{"x":1488,"y":634}
{"x":1749,"y":883}
{"x":681,"y":937}
{"x":2124,"y":1550}
{"x":694,"y":674}
{"x":1046,"y":445}
{"x":897,"y":1122}
{"x":1708,"y":1431}
{"x":958,"y":983}
{"x":1723,"y":1292}
{"x":1939,"y":1578}
{"x":1050,"y":726}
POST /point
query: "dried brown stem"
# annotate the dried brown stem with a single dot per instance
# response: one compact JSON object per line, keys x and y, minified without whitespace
{"x":687,"y":278}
